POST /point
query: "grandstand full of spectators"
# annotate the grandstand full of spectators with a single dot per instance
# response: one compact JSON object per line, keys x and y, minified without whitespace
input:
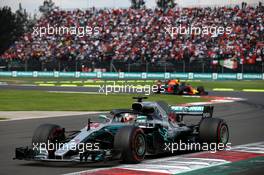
{"x":138,"y":36}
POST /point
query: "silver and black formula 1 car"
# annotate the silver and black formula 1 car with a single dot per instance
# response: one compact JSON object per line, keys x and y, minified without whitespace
{"x":126,"y":134}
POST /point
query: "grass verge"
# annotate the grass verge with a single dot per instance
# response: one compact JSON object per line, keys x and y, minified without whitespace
{"x":27,"y":100}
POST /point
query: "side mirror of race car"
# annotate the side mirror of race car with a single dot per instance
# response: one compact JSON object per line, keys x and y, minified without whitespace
{"x":104,"y":117}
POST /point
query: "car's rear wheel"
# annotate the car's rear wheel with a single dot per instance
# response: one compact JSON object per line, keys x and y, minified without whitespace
{"x":48,"y":136}
{"x":213,"y":130}
{"x":131,"y":143}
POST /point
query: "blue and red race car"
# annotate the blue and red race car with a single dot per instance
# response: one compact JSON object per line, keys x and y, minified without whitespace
{"x":179,"y":88}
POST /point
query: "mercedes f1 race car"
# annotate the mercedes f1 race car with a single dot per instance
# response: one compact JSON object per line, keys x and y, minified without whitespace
{"x":179,"y":88}
{"x":127,"y":134}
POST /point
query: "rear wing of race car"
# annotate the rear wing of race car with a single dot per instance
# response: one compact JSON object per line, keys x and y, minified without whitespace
{"x":204,"y":111}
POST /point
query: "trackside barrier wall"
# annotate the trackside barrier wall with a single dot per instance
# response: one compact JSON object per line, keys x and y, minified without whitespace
{"x":137,"y":76}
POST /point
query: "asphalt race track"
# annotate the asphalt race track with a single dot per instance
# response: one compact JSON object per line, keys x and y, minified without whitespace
{"x":245,"y":120}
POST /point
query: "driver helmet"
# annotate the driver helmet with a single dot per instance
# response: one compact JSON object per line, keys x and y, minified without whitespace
{"x":128,"y":117}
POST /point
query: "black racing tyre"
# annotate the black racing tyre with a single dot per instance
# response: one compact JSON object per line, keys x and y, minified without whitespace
{"x":213,"y":130}
{"x":180,"y":90}
{"x":200,"y":89}
{"x":130,"y":141}
{"x":48,"y":133}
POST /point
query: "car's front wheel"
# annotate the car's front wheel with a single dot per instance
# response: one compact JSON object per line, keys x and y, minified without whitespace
{"x":48,"y":136}
{"x":131,"y":143}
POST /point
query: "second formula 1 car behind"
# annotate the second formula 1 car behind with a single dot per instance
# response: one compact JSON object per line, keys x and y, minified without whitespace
{"x":179,"y":88}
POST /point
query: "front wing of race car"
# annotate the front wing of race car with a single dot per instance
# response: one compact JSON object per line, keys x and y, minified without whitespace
{"x":76,"y":150}
{"x":27,"y":153}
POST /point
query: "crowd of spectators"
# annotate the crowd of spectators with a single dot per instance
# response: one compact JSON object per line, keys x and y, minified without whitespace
{"x":139,"y":35}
